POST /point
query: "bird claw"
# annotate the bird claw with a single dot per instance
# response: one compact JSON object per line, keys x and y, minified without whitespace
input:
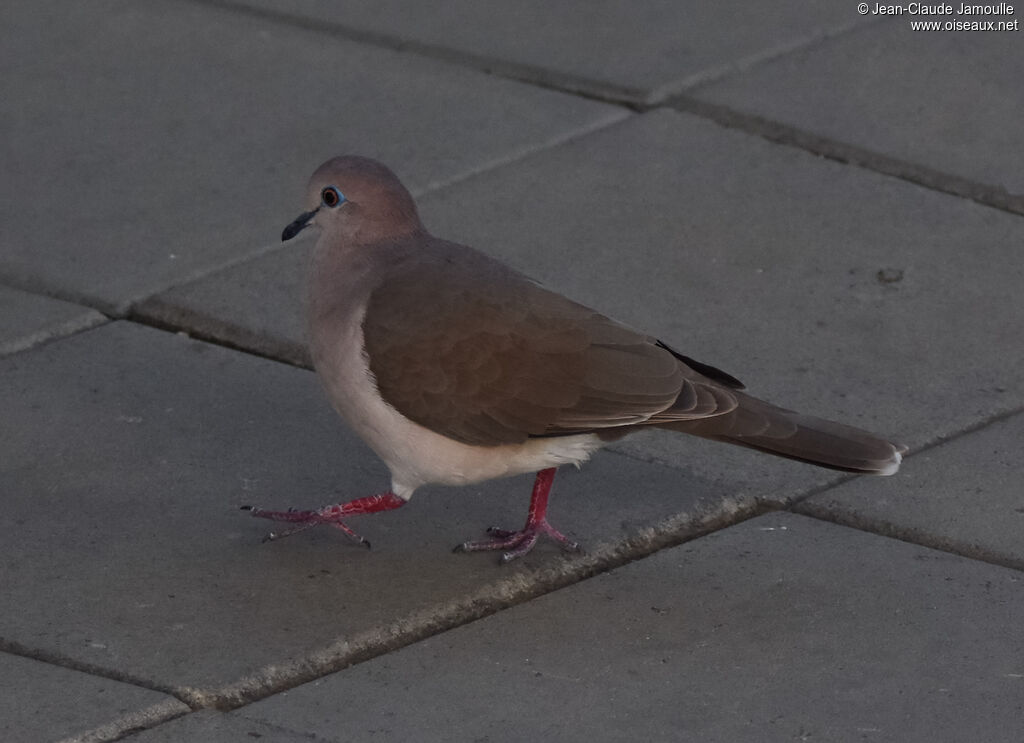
{"x":303,"y":520}
{"x":518,"y":543}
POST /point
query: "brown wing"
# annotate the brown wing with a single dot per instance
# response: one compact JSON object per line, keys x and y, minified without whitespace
{"x":473,"y":350}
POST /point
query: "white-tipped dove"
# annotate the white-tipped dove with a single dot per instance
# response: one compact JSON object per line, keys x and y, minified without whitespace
{"x":456,"y":369}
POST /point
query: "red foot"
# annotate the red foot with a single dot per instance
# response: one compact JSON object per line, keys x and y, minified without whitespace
{"x":330,"y":515}
{"x":519,"y":543}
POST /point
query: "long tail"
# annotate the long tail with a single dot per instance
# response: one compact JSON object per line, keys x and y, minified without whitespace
{"x":763,"y":426}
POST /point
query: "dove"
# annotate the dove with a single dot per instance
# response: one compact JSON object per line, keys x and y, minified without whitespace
{"x":457,"y":369}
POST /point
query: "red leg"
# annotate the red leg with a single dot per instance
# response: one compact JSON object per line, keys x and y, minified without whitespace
{"x":518,"y":543}
{"x":330,"y":515}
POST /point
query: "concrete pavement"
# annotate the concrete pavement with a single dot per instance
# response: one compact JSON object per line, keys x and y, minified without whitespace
{"x":823,"y":203}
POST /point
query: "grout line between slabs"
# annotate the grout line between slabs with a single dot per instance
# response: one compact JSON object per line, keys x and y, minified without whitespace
{"x":520,"y":72}
{"x":527,"y":151}
{"x":804,"y":506}
{"x":637,"y":99}
{"x":40,"y":287}
{"x":513,"y":588}
{"x":224,"y":334}
{"x":920,"y":537}
{"x":522,"y":587}
{"x":129,"y":309}
{"x":633,"y":101}
{"x":785,"y":134}
{"x":670,"y":533}
{"x":796,"y":504}
{"x":773,"y":131}
{"x":13,"y":647}
{"x":131,"y":722}
{"x":743,"y":65}
{"x":149,"y":309}
{"x":671,"y":95}
{"x":42,"y":338}
{"x":397,"y":635}
{"x":927,"y":446}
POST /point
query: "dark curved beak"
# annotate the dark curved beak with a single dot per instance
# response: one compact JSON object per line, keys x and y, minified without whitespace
{"x":297,"y":226}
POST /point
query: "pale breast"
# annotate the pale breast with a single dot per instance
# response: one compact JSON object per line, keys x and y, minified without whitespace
{"x":415,"y":455}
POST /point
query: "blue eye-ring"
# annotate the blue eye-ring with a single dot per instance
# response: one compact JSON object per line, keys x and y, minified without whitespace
{"x":331,"y":196}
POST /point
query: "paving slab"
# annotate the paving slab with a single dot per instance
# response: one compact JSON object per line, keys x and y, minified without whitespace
{"x":825,"y":288}
{"x":147,"y":143}
{"x":964,"y":495}
{"x":258,"y":305}
{"x":209,"y":726}
{"x":951,"y":101}
{"x":779,"y":629}
{"x":44,"y":702}
{"x":28,"y":319}
{"x":638,"y":50}
{"x":126,"y":455}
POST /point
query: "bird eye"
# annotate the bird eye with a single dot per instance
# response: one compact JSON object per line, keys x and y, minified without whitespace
{"x":331,"y":196}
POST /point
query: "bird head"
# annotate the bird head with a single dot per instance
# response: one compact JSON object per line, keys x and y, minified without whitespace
{"x":357,"y":199}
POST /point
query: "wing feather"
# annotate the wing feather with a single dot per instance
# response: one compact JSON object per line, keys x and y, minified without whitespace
{"x":467,"y":347}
